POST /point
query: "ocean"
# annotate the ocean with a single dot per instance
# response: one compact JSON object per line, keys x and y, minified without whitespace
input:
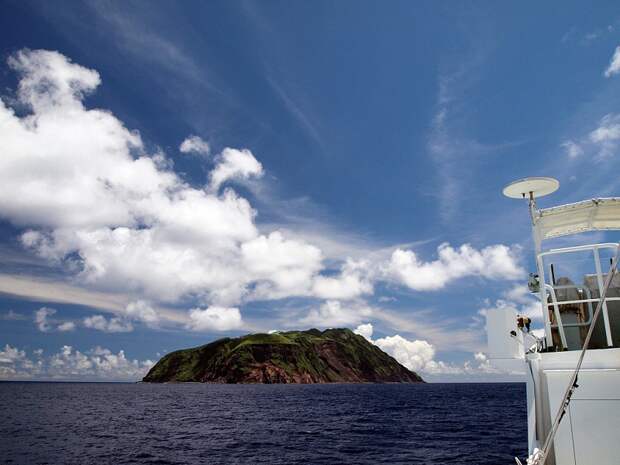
{"x":114,"y":423}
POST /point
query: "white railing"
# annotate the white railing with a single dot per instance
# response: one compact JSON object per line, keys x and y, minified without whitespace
{"x":547,"y":290}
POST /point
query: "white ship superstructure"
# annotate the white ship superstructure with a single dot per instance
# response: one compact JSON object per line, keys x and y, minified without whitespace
{"x":573,"y":395}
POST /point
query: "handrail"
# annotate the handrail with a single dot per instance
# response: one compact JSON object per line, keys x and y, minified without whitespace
{"x":572,"y":302}
{"x":579,"y":248}
{"x":584,"y":301}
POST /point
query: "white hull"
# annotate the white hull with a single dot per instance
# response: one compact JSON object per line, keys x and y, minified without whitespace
{"x":589,"y":434}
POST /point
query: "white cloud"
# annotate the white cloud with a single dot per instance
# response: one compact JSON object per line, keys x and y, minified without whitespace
{"x":45,"y":324}
{"x":11,"y":354}
{"x":66,"y":326}
{"x":492,"y":262}
{"x":68,"y":364}
{"x":215,"y":319}
{"x":419,"y":355}
{"x":364,"y":330}
{"x":415,"y":355}
{"x":520,"y":300}
{"x":234,"y":164}
{"x":573,"y":149}
{"x":614,"y":64}
{"x":333,"y":313}
{"x":281,"y":267}
{"x":353,"y":281}
{"x":601,"y":143}
{"x":150,"y":234}
{"x":50,"y":80}
{"x":519,"y":293}
{"x":606,"y":136}
{"x":112,"y":325}
{"x":142,"y":311}
{"x":608,"y":130}
{"x":15,"y":364}
{"x":195,"y":144}
{"x":41,"y":319}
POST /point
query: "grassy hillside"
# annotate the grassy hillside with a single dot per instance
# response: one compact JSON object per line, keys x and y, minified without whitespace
{"x":334,"y":355}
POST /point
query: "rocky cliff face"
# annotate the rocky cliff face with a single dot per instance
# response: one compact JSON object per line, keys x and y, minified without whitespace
{"x":331,"y":356}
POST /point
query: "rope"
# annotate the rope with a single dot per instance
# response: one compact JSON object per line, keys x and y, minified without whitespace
{"x":540,"y":455}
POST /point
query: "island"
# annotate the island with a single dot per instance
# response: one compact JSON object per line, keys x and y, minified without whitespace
{"x":304,"y":357}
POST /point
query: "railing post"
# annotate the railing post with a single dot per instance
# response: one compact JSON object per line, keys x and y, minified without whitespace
{"x":556,"y":311}
{"x":600,"y":282}
{"x":543,"y":299}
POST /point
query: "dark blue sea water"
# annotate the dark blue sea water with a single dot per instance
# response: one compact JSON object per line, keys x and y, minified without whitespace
{"x":81,"y":423}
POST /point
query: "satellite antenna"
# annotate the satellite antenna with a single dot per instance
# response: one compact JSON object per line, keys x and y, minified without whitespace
{"x":531,"y":188}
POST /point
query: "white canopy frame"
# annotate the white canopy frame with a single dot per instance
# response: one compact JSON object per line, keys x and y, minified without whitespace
{"x":602,"y":214}
{"x":588,"y":215}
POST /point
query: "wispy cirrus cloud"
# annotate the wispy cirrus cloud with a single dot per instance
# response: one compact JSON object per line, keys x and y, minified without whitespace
{"x":297,"y":112}
{"x":453,"y":150}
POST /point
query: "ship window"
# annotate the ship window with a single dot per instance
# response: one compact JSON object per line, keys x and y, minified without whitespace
{"x":573,"y":292}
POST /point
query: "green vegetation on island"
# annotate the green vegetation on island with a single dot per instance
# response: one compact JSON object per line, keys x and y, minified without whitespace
{"x":313,"y":356}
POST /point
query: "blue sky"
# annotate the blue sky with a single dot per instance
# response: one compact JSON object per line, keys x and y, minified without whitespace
{"x":343,"y":166}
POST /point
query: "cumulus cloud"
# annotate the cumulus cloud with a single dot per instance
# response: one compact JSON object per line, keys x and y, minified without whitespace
{"x":364,"y":330}
{"x":419,"y":355}
{"x":215,"y":319}
{"x":111,"y":325}
{"x":49,"y":79}
{"x":415,"y":355}
{"x":142,"y":311}
{"x":66,"y":326}
{"x":493,"y":262}
{"x":195,"y":144}
{"x":69,"y":364}
{"x":234,"y":164}
{"x":354,"y":280}
{"x":333,"y":313}
{"x":45,"y":323}
{"x":11,"y":354}
{"x":614,"y":64}
{"x":41,"y":319}
{"x":150,"y":233}
{"x":281,"y":267}
{"x":15,"y":364}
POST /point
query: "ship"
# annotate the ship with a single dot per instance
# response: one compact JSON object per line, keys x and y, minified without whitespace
{"x":572,"y":363}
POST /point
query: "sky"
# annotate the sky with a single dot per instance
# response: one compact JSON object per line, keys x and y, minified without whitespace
{"x":171,"y":174}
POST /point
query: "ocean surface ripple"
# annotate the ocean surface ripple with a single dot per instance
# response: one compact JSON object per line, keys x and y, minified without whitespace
{"x":96,"y":423}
